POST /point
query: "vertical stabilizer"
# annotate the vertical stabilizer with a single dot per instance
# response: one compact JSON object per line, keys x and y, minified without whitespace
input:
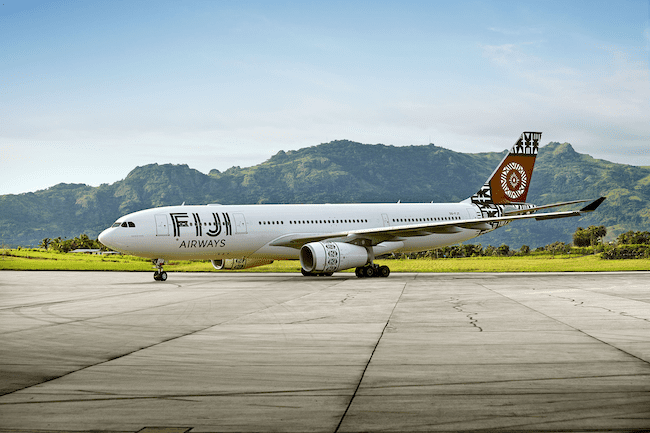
{"x":510,"y":181}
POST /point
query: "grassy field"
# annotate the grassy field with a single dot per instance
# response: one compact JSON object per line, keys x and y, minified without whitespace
{"x":40,"y":260}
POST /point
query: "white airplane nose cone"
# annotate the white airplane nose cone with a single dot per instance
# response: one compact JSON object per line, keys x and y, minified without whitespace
{"x":109,"y":239}
{"x":114,"y":239}
{"x":102,"y":238}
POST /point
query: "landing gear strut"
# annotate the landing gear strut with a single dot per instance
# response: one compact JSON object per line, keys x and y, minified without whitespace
{"x":159,"y":275}
{"x":372,"y":270}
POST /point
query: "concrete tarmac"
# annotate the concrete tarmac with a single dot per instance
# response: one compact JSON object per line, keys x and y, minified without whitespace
{"x":212,"y":352}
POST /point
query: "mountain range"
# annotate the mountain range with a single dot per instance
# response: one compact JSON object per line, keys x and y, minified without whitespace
{"x":343,"y":172}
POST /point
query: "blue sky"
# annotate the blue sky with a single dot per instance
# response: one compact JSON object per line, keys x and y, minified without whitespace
{"x":89,"y":90}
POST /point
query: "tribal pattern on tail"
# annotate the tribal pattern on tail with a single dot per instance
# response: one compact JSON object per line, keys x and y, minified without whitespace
{"x":509,"y":183}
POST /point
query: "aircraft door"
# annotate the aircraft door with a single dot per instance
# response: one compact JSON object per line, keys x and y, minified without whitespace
{"x":162,"y":227}
{"x":240,"y":223}
{"x":386,"y":220}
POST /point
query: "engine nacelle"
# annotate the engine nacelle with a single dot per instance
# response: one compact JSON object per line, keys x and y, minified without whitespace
{"x":328,"y":257}
{"x":242,"y":263}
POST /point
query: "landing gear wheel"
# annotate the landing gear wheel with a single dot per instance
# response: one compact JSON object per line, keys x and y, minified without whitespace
{"x":159,"y":275}
{"x":371,"y":271}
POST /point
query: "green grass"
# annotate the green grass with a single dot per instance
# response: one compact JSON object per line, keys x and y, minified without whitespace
{"x":40,"y":260}
{"x":536,"y":263}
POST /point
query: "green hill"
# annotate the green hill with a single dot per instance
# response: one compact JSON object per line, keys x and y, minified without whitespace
{"x":341,"y":172}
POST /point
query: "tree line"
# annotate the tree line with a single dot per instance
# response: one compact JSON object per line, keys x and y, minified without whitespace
{"x":628,"y":245}
{"x":82,"y":241}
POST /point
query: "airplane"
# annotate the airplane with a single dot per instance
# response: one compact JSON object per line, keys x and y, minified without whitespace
{"x":328,"y":238}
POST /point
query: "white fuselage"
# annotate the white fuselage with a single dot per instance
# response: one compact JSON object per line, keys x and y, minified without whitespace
{"x":219,"y":231}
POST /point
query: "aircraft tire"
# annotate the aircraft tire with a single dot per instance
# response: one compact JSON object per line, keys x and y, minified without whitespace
{"x":359,"y":272}
{"x":384,"y":271}
{"x":369,"y":271}
{"x":162,"y":276}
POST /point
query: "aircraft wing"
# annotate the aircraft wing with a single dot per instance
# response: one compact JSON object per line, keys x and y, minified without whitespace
{"x":397,"y":233}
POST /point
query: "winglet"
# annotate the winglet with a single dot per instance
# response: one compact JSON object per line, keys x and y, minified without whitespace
{"x":593,"y":205}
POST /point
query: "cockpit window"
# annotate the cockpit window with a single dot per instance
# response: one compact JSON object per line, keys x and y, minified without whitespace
{"x":123,"y":224}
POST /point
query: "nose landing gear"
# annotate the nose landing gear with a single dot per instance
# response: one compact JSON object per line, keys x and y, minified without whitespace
{"x":159,"y":275}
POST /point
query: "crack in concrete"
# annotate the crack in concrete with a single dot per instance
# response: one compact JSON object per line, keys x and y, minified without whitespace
{"x":577,"y":303}
{"x":459,"y":305}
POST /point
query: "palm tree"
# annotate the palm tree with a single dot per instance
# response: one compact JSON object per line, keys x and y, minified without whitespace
{"x":45,"y":243}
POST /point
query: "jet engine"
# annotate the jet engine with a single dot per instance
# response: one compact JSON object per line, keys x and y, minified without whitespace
{"x":243,"y":263}
{"x":328,"y":257}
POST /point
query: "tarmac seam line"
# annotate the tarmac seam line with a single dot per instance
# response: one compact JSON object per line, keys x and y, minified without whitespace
{"x":363,"y":373}
{"x":159,"y":342}
{"x":570,"y":326}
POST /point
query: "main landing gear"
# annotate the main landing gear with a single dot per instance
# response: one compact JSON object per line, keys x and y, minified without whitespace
{"x":159,"y":275}
{"x":372,"y":270}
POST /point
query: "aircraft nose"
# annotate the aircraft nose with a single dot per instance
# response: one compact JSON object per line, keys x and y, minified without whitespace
{"x":111,"y":239}
{"x":104,"y":238}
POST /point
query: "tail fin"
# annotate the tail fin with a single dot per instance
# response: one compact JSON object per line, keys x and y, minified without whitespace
{"x":510,"y":181}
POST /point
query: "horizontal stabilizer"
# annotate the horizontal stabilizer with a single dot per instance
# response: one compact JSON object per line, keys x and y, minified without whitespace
{"x":593,"y":206}
{"x":589,"y":208}
{"x":536,"y":208}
